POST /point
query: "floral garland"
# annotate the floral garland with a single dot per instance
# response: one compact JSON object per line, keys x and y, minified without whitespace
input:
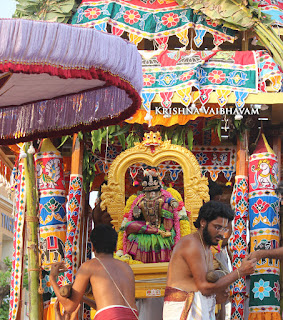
{"x":129,"y":204}
{"x":167,"y":194}
{"x":127,"y":209}
{"x":176,"y":195}
{"x":126,"y":258}
{"x":130,"y":218}
{"x":120,"y":240}
{"x":185,"y":227}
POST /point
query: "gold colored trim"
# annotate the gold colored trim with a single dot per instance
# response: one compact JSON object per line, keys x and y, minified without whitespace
{"x":195,"y":186}
{"x":259,"y":98}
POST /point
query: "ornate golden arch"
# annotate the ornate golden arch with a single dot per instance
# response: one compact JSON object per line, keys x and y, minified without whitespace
{"x":195,"y":186}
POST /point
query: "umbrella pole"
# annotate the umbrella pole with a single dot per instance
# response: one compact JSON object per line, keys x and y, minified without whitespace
{"x":32,"y":237}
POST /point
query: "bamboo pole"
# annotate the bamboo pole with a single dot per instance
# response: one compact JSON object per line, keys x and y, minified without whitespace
{"x":32,"y":237}
{"x":277,"y":143}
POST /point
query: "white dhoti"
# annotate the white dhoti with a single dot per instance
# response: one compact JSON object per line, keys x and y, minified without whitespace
{"x":182,"y":305}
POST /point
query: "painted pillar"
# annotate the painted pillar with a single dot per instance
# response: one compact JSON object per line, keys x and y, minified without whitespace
{"x":239,"y":243}
{"x":264,"y":232}
{"x":74,"y":212}
{"x":52,"y":218}
{"x":18,"y":242}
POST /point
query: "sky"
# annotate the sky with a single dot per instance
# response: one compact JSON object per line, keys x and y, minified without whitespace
{"x":8,"y":7}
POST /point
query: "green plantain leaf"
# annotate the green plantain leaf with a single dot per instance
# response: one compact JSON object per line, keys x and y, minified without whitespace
{"x":136,"y":138}
{"x":122,"y":140}
{"x":63,"y":140}
{"x":236,"y":15}
{"x":80,"y":136}
{"x":122,"y":130}
{"x":175,"y":138}
{"x":94,"y":139}
{"x":130,"y":140}
{"x":190,"y":136}
{"x":99,"y":139}
{"x":57,"y":10}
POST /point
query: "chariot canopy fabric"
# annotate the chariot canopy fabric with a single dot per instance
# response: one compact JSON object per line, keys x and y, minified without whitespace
{"x":153,"y":20}
{"x":57,"y":79}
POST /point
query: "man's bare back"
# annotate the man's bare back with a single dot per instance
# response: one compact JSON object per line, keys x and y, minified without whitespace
{"x":99,"y":272}
{"x":104,"y":291}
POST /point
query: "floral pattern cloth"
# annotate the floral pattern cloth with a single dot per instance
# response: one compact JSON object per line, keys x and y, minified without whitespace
{"x":168,"y":72}
{"x":272,"y":8}
{"x":154,"y":20}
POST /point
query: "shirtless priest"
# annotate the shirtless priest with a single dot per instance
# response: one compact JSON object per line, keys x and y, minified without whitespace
{"x":112,"y":281}
{"x":188,"y":294}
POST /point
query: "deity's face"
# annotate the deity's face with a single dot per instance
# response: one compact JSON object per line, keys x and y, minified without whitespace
{"x":214,"y":230}
{"x":152,"y":194}
{"x":151,"y":184}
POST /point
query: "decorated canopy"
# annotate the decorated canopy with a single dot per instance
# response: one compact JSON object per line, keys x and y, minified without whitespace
{"x":194,"y":75}
{"x":185,"y":76}
{"x":57,"y":79}
{"x":154,"y":20}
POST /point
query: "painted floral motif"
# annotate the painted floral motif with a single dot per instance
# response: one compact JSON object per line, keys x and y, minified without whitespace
{"x":131,"y":16}
{"x":276,"y":290}
{"x":92,"y":13}
{"x":260,"y":206}
{"x":53,"y":169}
{"x":111,"y":152}
{"x":80,"y":13}
{"x":53,"y":206}
{"x":201,"y":158}
{"x":75,"y":186}
{"x":216,"y":76}
{"x":170,"y":19}
{"x":46,"y":285}
{"x":187,"y":75}
{"x":211,"y":23}
{"x":219,"y":160}
{"x":237,"y":78}
{"x":262,"y":86}
{"x":167,"y":79}
{"x":202,"y":76}
{"x":47,"y":177}
{"x":269,"y":65}
{"x":262,"y":289}
{"x":148,"y":80}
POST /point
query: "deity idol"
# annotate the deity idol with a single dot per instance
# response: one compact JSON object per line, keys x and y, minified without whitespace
{"x":152,"y":228}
